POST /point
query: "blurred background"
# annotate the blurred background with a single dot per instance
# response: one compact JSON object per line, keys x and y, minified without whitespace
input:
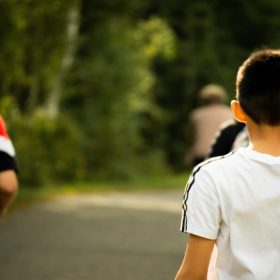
{"x":102,"y":90}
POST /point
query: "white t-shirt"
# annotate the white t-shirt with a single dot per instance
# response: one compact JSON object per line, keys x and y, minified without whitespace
{"x":235,"y":199}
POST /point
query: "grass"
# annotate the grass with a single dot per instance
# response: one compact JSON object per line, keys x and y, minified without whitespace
{"x":27,"y":195}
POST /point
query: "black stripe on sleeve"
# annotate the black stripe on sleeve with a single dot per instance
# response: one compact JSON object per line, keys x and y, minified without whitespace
{"x":190,"y":183}
{"x":7,"y":162}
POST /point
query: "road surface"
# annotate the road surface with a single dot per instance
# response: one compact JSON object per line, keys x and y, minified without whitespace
{"x":120,"y":236}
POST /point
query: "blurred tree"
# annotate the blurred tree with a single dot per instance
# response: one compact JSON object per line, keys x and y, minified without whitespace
{"x":71,"y":41}
{"x":112,"y":101}
{"x":121,"y":74}
{"x":212,"y":41}
{"x":34,"y":37}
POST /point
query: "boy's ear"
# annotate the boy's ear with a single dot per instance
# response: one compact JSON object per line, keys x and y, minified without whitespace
{"x":238,"y":112}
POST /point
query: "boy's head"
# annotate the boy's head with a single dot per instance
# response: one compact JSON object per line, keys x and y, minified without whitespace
{"x":258,"y":87}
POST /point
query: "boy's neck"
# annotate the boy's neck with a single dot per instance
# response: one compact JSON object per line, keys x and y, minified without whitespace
{"x":264,"y":138}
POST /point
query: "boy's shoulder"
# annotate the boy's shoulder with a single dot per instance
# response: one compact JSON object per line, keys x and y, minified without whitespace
{"x":221,"y":168}
{"x":225,"y":161}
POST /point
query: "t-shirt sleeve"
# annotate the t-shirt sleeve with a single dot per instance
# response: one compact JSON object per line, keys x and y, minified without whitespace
{"x":7,"y":151}
{"x":7,"y":162}
{"x":201,"y":207}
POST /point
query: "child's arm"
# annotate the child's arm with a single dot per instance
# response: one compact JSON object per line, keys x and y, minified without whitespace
{"x":197,"y":258}
{"x":8,"y":189}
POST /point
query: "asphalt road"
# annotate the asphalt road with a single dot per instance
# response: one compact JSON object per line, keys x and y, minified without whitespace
{"x":115,"y":236}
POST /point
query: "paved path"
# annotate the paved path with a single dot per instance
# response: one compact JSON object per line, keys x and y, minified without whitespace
{"x":115,"y":236}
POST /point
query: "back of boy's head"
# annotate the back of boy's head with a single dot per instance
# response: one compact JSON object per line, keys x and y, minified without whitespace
{"x":258,"y":87}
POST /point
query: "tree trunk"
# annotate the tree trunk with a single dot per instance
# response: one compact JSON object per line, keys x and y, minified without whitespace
{"x":54,"y":96}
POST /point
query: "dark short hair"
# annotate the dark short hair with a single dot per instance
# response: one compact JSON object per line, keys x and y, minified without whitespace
{"x":258,"y":87}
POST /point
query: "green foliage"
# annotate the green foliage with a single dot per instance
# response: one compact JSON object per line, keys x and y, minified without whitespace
{"x":212,"y":41}
{"x":136,"y":73}
{"x":112,"y":101}
{"x":33,"y":42}
{"x":48,"y":150}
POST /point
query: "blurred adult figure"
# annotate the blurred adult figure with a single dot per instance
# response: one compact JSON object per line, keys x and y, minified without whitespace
{"x":206,"y":120}
{"x":8,"y":170}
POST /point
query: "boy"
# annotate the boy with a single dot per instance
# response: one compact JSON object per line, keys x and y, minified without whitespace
{"x":8,"y":169}
{"x":234,"y":201}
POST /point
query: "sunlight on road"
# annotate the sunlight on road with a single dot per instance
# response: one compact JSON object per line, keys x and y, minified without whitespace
{"x":139,"y":201}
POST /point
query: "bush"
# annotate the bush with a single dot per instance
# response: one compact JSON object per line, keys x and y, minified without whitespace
{"x":48,"y":150}
{"x":59,"y":150}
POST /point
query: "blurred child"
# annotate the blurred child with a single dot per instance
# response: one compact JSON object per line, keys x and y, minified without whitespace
{"x":8,"y":169}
